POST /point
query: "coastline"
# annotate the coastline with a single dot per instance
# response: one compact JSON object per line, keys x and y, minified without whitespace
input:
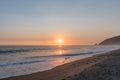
{"x":84,"y":69}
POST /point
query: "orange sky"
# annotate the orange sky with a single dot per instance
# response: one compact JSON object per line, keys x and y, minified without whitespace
{"x":53,"y":41}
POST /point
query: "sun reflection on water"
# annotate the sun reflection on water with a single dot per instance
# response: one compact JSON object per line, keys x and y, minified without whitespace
{"x":59,"y":61}
{"x":60,"y":51}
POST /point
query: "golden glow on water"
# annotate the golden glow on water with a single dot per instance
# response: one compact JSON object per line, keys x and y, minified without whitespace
{"x":59,"y":61}
{"x":60,"y":51}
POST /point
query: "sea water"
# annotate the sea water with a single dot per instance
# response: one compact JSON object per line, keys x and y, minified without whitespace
{"x":22,"y":60}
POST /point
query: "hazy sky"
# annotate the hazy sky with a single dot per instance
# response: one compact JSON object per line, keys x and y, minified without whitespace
{"x":43,"y":21}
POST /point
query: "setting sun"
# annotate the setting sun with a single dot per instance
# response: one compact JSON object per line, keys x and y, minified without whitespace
{"x":60,"y":41}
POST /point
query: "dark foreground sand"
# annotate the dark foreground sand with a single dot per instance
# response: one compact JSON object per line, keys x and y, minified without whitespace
{"x":99,"y":67}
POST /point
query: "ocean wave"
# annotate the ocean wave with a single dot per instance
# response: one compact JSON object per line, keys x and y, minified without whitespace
{"x":19,"y":50}
{"x":64,"y":55}
{"x":22,"y":63}
{"x":13,"y":51}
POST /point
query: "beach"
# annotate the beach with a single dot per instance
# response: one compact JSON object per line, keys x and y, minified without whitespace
{"x":98,"y":67}
{"x":59,"y":40}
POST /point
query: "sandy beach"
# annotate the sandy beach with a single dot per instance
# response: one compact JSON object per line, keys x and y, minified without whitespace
{"x":59,"y":39}
{"x":99,"y":67}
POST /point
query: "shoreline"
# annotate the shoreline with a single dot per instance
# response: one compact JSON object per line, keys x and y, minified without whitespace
{"x":80,"y":69}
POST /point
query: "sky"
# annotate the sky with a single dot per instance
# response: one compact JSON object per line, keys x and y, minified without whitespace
{"x":42,"y":22}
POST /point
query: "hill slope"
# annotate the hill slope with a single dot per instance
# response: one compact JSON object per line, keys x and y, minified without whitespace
{"x":111,"y":41}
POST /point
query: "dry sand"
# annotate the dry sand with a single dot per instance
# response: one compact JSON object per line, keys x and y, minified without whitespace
{"x":99,"y":67}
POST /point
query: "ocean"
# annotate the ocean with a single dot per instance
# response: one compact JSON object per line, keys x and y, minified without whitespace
{"x":22,"y":60}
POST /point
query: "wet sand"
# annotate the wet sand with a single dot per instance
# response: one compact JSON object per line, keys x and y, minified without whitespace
{"x":99,"y":67}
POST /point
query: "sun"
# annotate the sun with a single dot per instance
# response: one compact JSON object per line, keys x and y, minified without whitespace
{"x":60,"y":40}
